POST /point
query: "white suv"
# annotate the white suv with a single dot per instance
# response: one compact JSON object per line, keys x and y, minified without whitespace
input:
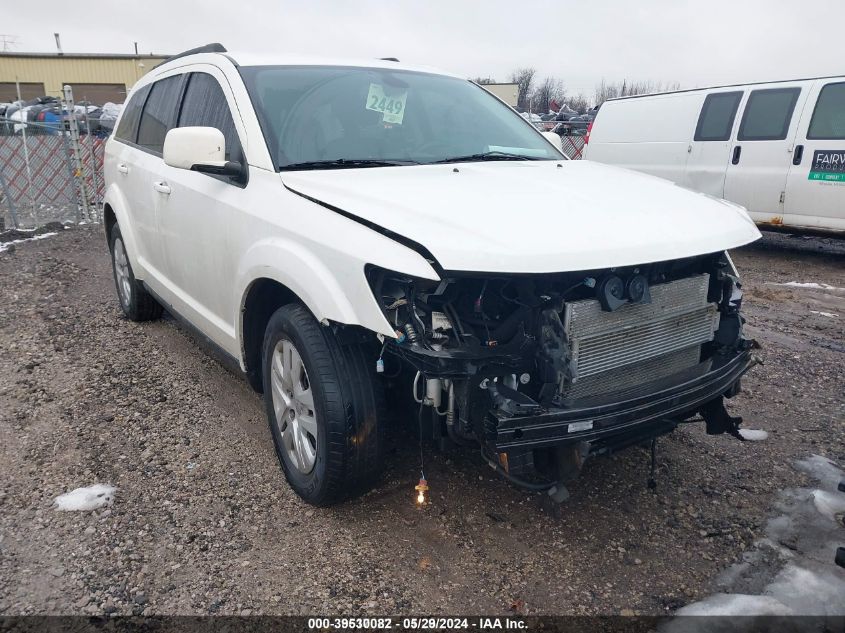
{"x":346,"y":231}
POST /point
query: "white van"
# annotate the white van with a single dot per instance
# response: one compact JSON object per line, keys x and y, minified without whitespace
{"x":776,"y":148}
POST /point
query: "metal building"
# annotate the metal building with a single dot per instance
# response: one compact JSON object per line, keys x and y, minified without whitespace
{"x":95,"y":77}
{"x":509,"y":93}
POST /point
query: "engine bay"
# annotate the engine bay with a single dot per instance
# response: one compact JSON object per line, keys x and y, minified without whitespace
{"x":521,"y":362}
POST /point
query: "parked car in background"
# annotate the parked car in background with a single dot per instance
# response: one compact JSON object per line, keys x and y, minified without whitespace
{"x":574,"y":126}
{"x":534,"y":119}
{"x":345,"y":252}
{"x":776,"y":148}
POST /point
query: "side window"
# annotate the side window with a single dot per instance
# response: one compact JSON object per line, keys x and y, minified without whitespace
{"x":828,"y":120}
{"x":768,"y":114}
{"x":128,"y":128}
{"x":205,"y":104}
{"x":158,"y":113}
{"x":717,"y":116}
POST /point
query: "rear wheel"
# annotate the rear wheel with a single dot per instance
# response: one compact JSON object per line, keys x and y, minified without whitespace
{"x":324,"y":406}
{"x":137,"y":303}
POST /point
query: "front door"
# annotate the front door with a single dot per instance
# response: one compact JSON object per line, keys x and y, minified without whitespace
{"x":815,"y":189}
{"x":761,"y":154}
{"x":195,"y":215}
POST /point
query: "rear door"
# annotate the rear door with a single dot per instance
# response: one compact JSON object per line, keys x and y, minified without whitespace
{"x":121,"y":155}
{"x":711,"y":144}
{"x":156,"y":119}
{"x":762,"y":152}
{"x":198,"y":211}
{"x":815,"y":189}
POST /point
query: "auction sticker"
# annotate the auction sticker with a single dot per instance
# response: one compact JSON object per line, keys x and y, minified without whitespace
{"x":391,"y":104}
{"x":828,"y":165}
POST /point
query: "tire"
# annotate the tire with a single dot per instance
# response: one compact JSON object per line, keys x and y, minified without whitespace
{"x":345,"y":409}
{"x":136,"y":302}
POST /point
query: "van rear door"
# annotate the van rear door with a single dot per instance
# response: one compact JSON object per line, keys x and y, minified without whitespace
{"x":815,"y":188}
{"x":648,"y":133}
{"x":761,"y":154}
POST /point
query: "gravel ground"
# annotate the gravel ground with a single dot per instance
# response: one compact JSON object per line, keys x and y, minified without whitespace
{"x":203,"y":522}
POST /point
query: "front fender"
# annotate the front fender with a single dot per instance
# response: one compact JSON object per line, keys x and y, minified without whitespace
{"x":339,"y":293}
{"x":115,"y":199}
{"x":299,"y":270}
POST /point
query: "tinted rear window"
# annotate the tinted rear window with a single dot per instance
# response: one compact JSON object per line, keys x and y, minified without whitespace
{"x":828,"y":120}
{"x":717,"y":116}
{"x":768,"y":114}
{"x":159,"y":113}
{"x":128,"y":128}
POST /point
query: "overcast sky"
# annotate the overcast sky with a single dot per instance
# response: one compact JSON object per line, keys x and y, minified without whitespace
{"x":696,"y":43}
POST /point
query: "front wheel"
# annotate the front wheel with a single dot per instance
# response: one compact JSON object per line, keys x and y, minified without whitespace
{"x":324,"y":406}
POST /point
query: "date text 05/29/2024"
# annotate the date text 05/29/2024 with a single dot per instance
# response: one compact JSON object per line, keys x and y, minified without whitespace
{"x":418,"y":623}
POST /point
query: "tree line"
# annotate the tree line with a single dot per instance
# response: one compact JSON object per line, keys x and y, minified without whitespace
{"x":540,"y":95}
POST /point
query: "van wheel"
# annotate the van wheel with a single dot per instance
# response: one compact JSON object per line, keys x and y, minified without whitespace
{"x":137,"y":303}
{"x":324,"y":406}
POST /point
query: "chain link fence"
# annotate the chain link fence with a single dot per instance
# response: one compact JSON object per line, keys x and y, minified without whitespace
{"x":573,"y":146}
{"x":50,"y":172}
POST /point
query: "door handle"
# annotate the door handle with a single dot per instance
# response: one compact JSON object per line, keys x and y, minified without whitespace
{"x":798,"y":155}
{"x":162,"y":187}
{"x":122,"y":168}
{"x":736,"y":155}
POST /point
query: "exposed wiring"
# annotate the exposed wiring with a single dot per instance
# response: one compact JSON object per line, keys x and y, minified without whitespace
{"x":380,"y":362}
{"x":397,"y":303}
{"x":479,"y":309}
{"x":422,"y":461}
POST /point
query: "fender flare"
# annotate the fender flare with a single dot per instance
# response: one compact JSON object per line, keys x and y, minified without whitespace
{"x":115,"y":199}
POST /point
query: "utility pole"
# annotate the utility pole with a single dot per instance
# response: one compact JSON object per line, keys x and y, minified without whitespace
{"x":8,"y":42}
{"x":22,"y":127}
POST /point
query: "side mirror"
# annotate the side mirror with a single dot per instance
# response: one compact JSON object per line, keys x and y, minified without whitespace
{"x":551,"y":137}
{"x":200,"y":149}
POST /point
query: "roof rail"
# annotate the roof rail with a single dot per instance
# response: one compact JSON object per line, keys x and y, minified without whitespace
{"x":214,"y":47}
{"x":388,"y":59}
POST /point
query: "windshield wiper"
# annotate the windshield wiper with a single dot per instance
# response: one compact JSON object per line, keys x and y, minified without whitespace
{"x":346,"y":163}
{"x":494,"y":155}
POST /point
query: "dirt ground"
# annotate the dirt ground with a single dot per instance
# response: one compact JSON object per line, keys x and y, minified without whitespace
{"x":203,"y":522}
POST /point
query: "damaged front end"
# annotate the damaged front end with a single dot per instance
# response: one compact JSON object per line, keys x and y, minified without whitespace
{"x":543,"y":370}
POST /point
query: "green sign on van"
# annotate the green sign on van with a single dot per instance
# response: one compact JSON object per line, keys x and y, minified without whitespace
{"x":828,"y":165}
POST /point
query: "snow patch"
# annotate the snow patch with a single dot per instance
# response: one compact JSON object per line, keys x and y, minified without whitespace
{"x":85,"y":499}
{"x":825,"y":314}
{"x":809,"y":284}
{"x":829,"y":504}
{"x":754,"y":435}
{"x":806,"y":591}
{"x":5,"y":245}
{"x":736,"y":604}
{"x":821,"y":468}
{"x":790,"y":571}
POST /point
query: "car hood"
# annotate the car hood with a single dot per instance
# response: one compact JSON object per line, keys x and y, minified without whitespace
{"x":532,"y":216}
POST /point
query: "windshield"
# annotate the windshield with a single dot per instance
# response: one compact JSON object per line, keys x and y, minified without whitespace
{"x":324,"y":117}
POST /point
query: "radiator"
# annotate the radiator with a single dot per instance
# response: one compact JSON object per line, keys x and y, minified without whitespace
{"x":638,"y":343}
